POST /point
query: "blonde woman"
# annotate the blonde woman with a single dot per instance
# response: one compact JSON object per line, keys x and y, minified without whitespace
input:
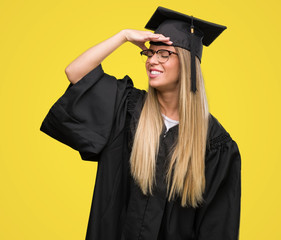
{"x":167,"y":169}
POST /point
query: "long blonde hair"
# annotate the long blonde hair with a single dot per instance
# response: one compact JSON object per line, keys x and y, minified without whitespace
{"x":185,"y":175}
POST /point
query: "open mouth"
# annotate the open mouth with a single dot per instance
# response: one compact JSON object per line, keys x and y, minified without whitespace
{"x":154,"y":73}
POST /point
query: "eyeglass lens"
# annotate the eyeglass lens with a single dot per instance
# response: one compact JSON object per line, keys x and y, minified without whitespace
{"x":162,"y":55}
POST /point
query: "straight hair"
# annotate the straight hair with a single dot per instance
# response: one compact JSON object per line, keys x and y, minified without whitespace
{"x":185,"y":174}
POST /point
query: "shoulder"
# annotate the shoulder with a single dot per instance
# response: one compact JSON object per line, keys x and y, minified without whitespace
{"x":136,"y":100}
{"x":222,"y":152}
{"x":217,"y":135}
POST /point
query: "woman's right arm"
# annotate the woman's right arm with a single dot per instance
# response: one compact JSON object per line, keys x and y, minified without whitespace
{"x":91,"y":58}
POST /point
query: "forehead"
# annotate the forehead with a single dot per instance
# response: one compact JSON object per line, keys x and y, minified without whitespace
{"x":156,"y":47}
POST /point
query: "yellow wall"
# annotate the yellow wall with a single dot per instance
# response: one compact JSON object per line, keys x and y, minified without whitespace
{"x":46,"y":189}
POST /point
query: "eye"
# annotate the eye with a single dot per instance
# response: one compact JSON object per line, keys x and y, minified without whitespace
{"x":148,"y":53}
{"x":164,"y":53}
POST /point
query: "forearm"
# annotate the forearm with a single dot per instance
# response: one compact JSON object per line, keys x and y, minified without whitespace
{"x":93,"y":57}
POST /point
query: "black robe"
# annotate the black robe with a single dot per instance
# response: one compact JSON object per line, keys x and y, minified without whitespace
{"x":97,"y":116}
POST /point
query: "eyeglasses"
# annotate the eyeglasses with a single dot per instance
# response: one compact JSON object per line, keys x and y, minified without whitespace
{"x":162,"y":54}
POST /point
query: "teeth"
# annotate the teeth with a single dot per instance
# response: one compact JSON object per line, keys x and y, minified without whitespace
{"x":155,"y":72}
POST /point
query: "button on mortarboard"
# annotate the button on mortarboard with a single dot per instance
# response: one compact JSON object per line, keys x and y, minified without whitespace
{"x":178,"y":27}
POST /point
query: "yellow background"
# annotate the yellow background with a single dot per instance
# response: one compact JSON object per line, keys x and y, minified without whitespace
{"x":46,"y":189}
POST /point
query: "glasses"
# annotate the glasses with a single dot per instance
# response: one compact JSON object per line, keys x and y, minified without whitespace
{"x":162,"y":54}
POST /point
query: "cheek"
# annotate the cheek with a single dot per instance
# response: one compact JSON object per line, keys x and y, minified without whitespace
{"x":174,"y":73}
{"x":177,"y":69}
{"x":146,"y":67}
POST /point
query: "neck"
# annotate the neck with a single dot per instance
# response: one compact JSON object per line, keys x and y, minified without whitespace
{"x":169,"y":104}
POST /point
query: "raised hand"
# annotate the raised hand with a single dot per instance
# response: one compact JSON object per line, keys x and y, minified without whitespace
{"x":91,"y":58}
{"x":140,"y":37}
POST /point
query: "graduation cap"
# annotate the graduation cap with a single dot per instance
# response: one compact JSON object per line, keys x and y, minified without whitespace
{"x":185,"y":32}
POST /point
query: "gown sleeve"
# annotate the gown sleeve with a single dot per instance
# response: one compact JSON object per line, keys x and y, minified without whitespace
{"x":83,"y":116}
{"x":219,"y":217}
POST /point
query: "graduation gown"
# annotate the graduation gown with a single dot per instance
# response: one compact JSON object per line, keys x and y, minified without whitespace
{"x":97,"y":116}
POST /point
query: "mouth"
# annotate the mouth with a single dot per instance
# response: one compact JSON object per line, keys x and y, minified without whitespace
{"x":154,"y":73}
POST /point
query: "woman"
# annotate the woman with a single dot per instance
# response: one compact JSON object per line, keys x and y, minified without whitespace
{"x":167,"y":168}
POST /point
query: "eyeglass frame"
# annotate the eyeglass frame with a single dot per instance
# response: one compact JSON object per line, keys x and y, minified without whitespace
{"x":153,"y":52}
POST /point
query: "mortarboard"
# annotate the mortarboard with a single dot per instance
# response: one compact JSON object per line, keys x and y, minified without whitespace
{"x":185,"y":32}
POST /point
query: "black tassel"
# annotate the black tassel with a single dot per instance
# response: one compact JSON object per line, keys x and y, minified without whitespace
{"x":192,"y":58}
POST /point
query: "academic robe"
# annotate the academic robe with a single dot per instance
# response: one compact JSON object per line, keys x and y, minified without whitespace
{"x":97,"y":116}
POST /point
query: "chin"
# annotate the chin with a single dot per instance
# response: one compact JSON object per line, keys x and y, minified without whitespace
{"x":158,"y":87}
{"x":155,"y":84}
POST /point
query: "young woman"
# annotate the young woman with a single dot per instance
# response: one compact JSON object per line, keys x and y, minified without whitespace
{"x":167,"y":168}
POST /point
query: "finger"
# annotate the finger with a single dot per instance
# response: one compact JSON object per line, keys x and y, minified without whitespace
{"x":169,"y":42}
{"x":160,"y":38}
{"x":156,"y":35}
{"x":164,"y":41}
{"x":163,"y":37}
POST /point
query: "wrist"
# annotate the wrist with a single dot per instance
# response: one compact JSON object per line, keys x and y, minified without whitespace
{"x":124,"y":34}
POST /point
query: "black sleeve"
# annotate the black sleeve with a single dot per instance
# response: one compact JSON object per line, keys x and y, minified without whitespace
{"x":219,"y":216}
{"x":83,"y":116}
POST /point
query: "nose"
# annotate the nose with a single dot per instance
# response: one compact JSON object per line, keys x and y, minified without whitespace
{"x":153,"y":59}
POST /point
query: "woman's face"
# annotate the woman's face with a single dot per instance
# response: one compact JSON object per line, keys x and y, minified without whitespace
{"x":163,"y":76}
